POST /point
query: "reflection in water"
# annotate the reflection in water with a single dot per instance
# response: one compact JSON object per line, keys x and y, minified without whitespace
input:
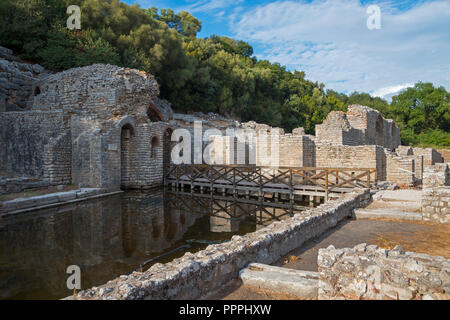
{"x":111,"y":236}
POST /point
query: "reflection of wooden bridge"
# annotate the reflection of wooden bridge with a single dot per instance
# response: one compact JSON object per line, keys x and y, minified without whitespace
{"x":257,"y":181}
{"x":230,"y":208}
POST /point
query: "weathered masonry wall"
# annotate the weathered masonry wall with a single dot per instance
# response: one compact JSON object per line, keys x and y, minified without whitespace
{"x":437,"y":175}
{"x":400,"y":169}
{"x":430,"y":155}
{"x":359,"y":126}
{"x":16,"y":81}
{"x":195,"y":274}
{"x":24,"y":136}
{"x":435,"y":204}
{"x":369,"y":272}
{"x":340,"y":156}
{"x":436,"y":193}
{"x":58,"y":160}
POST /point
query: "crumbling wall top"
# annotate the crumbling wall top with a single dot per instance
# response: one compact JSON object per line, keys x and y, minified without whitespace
{"x":99,"y":90}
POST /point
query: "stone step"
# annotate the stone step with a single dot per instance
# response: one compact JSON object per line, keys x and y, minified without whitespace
{"x":387,"y":213}
{"x":302,"y":284}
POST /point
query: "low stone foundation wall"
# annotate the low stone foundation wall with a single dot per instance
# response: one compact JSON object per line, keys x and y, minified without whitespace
{"x":13,"y":185}
{"x":196,"y":274}
{"x":435,"y":204}
{"x":370,"y":272}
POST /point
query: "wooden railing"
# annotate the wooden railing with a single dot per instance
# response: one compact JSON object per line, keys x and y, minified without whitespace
{"x":279,"y":179}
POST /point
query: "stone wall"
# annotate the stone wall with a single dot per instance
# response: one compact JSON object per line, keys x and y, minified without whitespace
{"x":430,"y":155}
{"x":16,"y":81}
{"x":400,"y":169}
{"x":196,"y":274}
{"x":341,"y":156}
{"x":369,"y":272}
{"x":361,"y":125}
{"x":23,"y":138}
{"x":58,"y":160}
{"x":435,"y":205}
{"x":336,"y":129}
{"x":436,"y":176}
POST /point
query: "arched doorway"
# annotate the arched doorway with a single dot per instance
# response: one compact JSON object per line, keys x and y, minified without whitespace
{"x":126,"y":135}
{"x":167,"y":149}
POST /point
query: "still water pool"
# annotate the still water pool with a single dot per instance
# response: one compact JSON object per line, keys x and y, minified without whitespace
{"x":111,"y":236}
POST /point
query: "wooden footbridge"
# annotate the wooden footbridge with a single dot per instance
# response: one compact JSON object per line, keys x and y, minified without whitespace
{"x":255,"y":181}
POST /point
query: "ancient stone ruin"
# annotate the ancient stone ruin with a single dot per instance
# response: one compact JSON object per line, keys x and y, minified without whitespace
{"x":105,"y":127}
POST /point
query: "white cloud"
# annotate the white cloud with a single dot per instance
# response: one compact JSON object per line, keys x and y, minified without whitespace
{"x":387,"y":91}
{"x":329,"y":40}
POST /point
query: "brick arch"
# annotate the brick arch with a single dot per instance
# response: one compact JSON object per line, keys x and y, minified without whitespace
{"x":154,"y":144}
{"x":127,"y":133}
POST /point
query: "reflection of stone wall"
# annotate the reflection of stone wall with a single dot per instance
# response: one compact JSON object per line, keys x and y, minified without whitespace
{"x":105,"y":237}
{"x":196,"y":274}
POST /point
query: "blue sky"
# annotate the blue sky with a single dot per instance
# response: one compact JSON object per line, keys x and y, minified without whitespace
{"x":330,"y":41}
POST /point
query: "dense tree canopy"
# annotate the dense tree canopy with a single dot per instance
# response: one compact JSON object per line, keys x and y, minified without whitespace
{"x":217,"y":74}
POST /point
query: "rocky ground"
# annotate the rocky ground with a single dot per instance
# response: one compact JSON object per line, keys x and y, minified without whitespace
{"x":416,"y":236}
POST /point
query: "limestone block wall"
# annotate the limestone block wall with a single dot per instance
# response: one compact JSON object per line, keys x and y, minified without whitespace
{"x":84,"y":135}
{"x":296,"y":151}
{"x":418,"y":167}
{"x":146,"y":156}
{"x":396,"y":166}
{"x":436,"y":176}
{"x":58,"y":159}
{"x":375,"y":129}
{"x":336,"y":129}
{"x":430,"y":155}
{"x":404,"y":150}
{"x":435,"y":204}
{"x":368,"y":272}
{"x":23,"y":137}
{"x":342,"y":156}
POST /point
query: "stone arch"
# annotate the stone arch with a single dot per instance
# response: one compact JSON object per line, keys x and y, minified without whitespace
{"x":379,"y":131}
{"x":37,"y":91}
{"x":167,"y":148}
{"x":154,"y":114}
{"x":154,"y":144}
{"x":126,"y":134}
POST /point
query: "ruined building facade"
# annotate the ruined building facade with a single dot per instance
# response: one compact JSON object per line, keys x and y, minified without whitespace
{"x":104,"y":126}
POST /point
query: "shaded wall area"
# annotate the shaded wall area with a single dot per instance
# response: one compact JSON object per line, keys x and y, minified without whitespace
{"x":23,"y":138}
